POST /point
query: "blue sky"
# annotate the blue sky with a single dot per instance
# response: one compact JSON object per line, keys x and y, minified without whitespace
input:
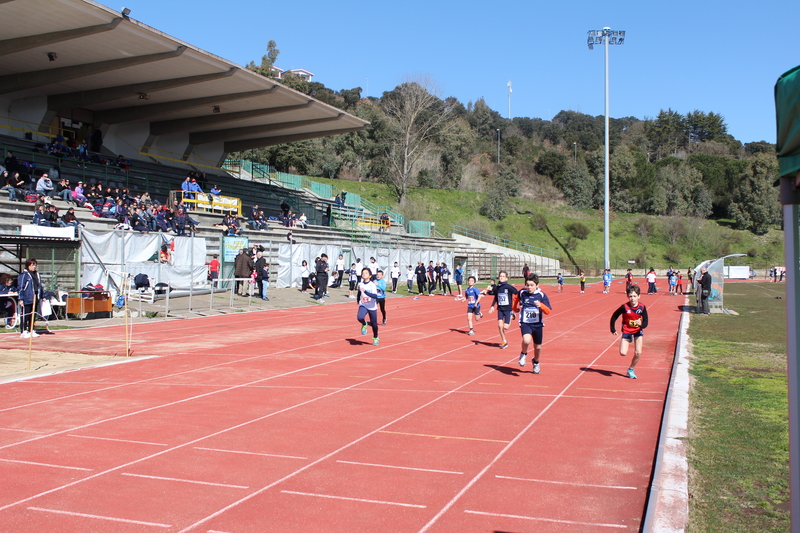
{"x":712,"y":56}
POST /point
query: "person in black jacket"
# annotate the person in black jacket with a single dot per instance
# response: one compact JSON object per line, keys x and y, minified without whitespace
{"x":705,"y":290}
{"x":322,"y":268}
{"x":262,"y":274}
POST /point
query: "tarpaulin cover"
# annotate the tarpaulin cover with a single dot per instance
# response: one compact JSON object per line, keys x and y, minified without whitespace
{"x":135,"y":253}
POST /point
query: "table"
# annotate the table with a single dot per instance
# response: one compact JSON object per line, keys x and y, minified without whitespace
{"x":96,"y":302}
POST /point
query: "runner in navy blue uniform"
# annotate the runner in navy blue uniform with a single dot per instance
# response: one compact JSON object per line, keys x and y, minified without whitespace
{"x":503,"y":299}
{"x":634,"y":320}
{"x":473,"y":303}
{"x":368,"y":304}
{"x":533,"y":305}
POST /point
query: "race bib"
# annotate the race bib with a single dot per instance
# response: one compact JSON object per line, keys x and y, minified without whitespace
{"x":502,"y":299}
{"x":365,"y":299}
{"x":530,"y":315}
{"x":471,"y":299}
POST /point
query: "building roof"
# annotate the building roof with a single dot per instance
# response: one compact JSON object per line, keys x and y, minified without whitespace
{"x":83,"y":56}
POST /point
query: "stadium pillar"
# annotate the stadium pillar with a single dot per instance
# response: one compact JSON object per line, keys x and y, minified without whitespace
{"x":787,"y":100}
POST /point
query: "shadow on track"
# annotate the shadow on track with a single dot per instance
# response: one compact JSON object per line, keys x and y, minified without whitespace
{"x":606,"y":373}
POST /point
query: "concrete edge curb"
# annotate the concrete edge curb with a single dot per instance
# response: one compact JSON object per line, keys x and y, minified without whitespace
{"x":668,"y":498}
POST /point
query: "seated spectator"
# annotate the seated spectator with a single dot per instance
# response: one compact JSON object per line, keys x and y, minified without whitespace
{"x":302,"y":221}
{"x":122,"y":213}
{"x":338,"y":201}
{"x":182,"y":221}
{"x":165,"y":255}
{"x":39,"y":218}
{"x":231,"y":224}
{"x":138,"y":222}
{"x":45,"y":186}
{"x":78,"y":194}
{"x":145,"y":199}
{"x":123,"y":163}
{"x":11,"y":184}
{"x":161,"y":222}
{"x":63,"y":190}
{"x":253,"y":218}
{"x":69,"y":218}
{"x":262,"y":220}
{"x":290,"y":238}
{"x":216,"y":190}
{"x":51,"y":215}
{"x":8,"y":306}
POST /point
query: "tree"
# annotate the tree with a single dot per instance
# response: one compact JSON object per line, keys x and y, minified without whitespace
{"x":267,"y":61}
{"x":416,"y":117}
{"x":705,"y":126}
{"x":578,"y":185}
{"x":755,"y":203}
{"x":552,"y":164}
{"x":667,"y":132}
{"x":679,"y":191}
{"x":623,"y":176}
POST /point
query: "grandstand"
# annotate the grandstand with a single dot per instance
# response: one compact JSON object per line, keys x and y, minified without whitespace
{"x":167,"y":108}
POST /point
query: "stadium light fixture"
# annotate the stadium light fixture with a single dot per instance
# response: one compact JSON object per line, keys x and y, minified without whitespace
{"x":606,"y":36}
{"x":125,"y":12}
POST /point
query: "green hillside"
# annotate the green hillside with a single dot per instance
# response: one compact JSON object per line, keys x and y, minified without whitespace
{"x":652,"y":241}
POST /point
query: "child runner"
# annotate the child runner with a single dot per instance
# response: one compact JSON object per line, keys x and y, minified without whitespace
{"x":381,"y":284}
{"x":559,"y":279}
{"x":368,"y":304}
{"x":473,"y":297}
{"x":304,"y":274}
{"x":628,"y":280}
{"x":679,"y":288}
{"x":583,"y":281}
{"x":395,"y":276}
{"x":634,"y":320}
{"x":410,"y":279}
{"x":533,"y":302}
{"x":352,"y":272}
{"x":607,"y":281}
{"x":503,"y":299}
{"x":458,"y":277}
{"x":445,"y":273}
{"x":673,"y":283}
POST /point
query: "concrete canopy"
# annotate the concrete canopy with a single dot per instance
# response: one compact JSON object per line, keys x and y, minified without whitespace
{"x":144,"y":89}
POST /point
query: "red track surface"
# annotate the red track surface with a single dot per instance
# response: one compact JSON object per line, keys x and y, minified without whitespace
{"x":291,"y":421}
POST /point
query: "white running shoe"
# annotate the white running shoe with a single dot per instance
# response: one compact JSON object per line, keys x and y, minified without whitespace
{"x":34,"y":334}
{"x":25,"y":335}
{"x":536,"y":368}
{"x":522,"y":358}
{"x":471,"y":332}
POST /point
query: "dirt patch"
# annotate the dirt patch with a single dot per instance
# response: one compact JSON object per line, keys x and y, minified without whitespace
{"x":14,"y":362}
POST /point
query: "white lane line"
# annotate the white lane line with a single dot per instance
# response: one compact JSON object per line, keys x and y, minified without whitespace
{"x":568,"y":483}
{"x":187,"y":481}
{"x":46,"y":464}
{"x":113,"y":519}
{"x":118,"y":440}
{"x":552,"y":520}
{"x":508,"y":446}
{"x":353,"y":499}
{"x":250,"y":453}
{"x":22,"y":430}
{"x":402,"y":467}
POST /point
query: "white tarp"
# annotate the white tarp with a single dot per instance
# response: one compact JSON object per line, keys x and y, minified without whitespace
{"x":45,"y":231}
{"x":291,"y":256}
{"x":135,"y":253}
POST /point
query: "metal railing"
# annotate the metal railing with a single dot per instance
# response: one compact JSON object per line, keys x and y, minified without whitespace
{"x":397,"y":218}
{"x":506,"y":243}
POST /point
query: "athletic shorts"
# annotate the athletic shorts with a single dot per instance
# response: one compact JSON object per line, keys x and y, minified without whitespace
{"x":505,"y":316}
{"x":473,"y":310}
{"x":533,"y":331}
{"x":630,"y":336}
{"x":352,"y":285}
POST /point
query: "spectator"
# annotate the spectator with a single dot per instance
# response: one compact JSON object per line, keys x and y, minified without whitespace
{"x":216,"y":190}
{"x":51,"y":215}
{"x":242,"y":268}
{"x":39,"y":218}
{"x":285,"y":208}
{"x":122,"y":163}
{"x":11,"y":163}
{"x":12,"y":181}
{"x":31,"y":292}
{"x":231,"y":224}
{"x":8,"y":306}
{"x":304,"y":276}
{"x":182,"y":221}
{"x":165,"y":255}
{"x":338,"y":201}
{"x":253,"y":219}
{"x":262,"y":274}
{"x":344,"y":197}
{"x":78,"y":195}
{"x":302,"y":221}
{"x":186,"y":188}
{"x":385,"y":222}
{"x":704,"y":290}
{"x":83,"y":151}
{"x":290,"y":238}
{"x":44,"y":186}
{"x":138,"y":222}
{"x":213,"y":270}
{"x":70,"y":219}
{"x":64,"y":191}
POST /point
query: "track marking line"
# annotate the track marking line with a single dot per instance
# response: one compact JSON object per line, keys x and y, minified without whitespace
{"x":539,"y":386}
{"x":508,"y":446}
{"x":437,"y":437}
{"x":401,"y":467}
{"x":552,"y":520}
{"x":441,"y":381}
{"x":319,"y":374}
{"x":623,"y":390}
{"x":402,"y":379}
{"x":45,"y":464}
{"x":187,"y":481}
{"x":113,"y":519}
{"x":352,"y":499}
{"x":568,"y":483}
{"x":360,"y":377}
{"x":489,"y":383}
{"x":249,"y":453}
{"x":22,"y":430}
{"x":118,"y":440}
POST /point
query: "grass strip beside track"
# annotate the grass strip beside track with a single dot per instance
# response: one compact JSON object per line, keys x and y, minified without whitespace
{"x":738,"y":437}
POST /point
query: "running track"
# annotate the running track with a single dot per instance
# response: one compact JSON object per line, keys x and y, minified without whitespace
{"x":291,"y":421}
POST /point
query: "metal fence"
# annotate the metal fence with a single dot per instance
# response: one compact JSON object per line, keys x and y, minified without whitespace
{"x":419,"y":228}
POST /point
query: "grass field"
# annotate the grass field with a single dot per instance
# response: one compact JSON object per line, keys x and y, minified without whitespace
{"x":738,"y":440}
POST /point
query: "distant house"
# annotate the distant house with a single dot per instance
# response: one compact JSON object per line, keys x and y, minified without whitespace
{"x":277,"y":71}
{"x":299,"y":72}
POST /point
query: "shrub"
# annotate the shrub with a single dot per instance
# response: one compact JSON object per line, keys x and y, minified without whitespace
{"x":571,"y":244}
{"x":494,"y":208}
{"x":539,"y":221}
{"x":673,"y":254}
{"x":578,"y":229}
{"x":643,"y":228}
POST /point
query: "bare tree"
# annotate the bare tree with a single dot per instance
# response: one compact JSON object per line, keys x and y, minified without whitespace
{"x":416,"y":117}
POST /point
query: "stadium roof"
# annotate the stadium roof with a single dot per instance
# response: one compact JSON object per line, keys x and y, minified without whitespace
{"x":86,"y":58}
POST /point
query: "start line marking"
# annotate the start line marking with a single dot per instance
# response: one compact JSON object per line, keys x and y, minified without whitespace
{"x":84,"y":515}
{"x":546,"y":519}
{"x":437,"y":437}
{"x":401,"y":467}
{"x":353,"y":499}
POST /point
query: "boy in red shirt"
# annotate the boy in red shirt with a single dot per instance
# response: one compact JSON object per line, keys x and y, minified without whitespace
{"x":634,"y":320}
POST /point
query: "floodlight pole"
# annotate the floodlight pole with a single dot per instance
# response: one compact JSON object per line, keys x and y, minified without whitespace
{"x":606,"y":36}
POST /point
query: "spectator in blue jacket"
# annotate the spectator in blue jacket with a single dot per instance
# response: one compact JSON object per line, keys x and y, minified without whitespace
{"x":31,"y":292}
